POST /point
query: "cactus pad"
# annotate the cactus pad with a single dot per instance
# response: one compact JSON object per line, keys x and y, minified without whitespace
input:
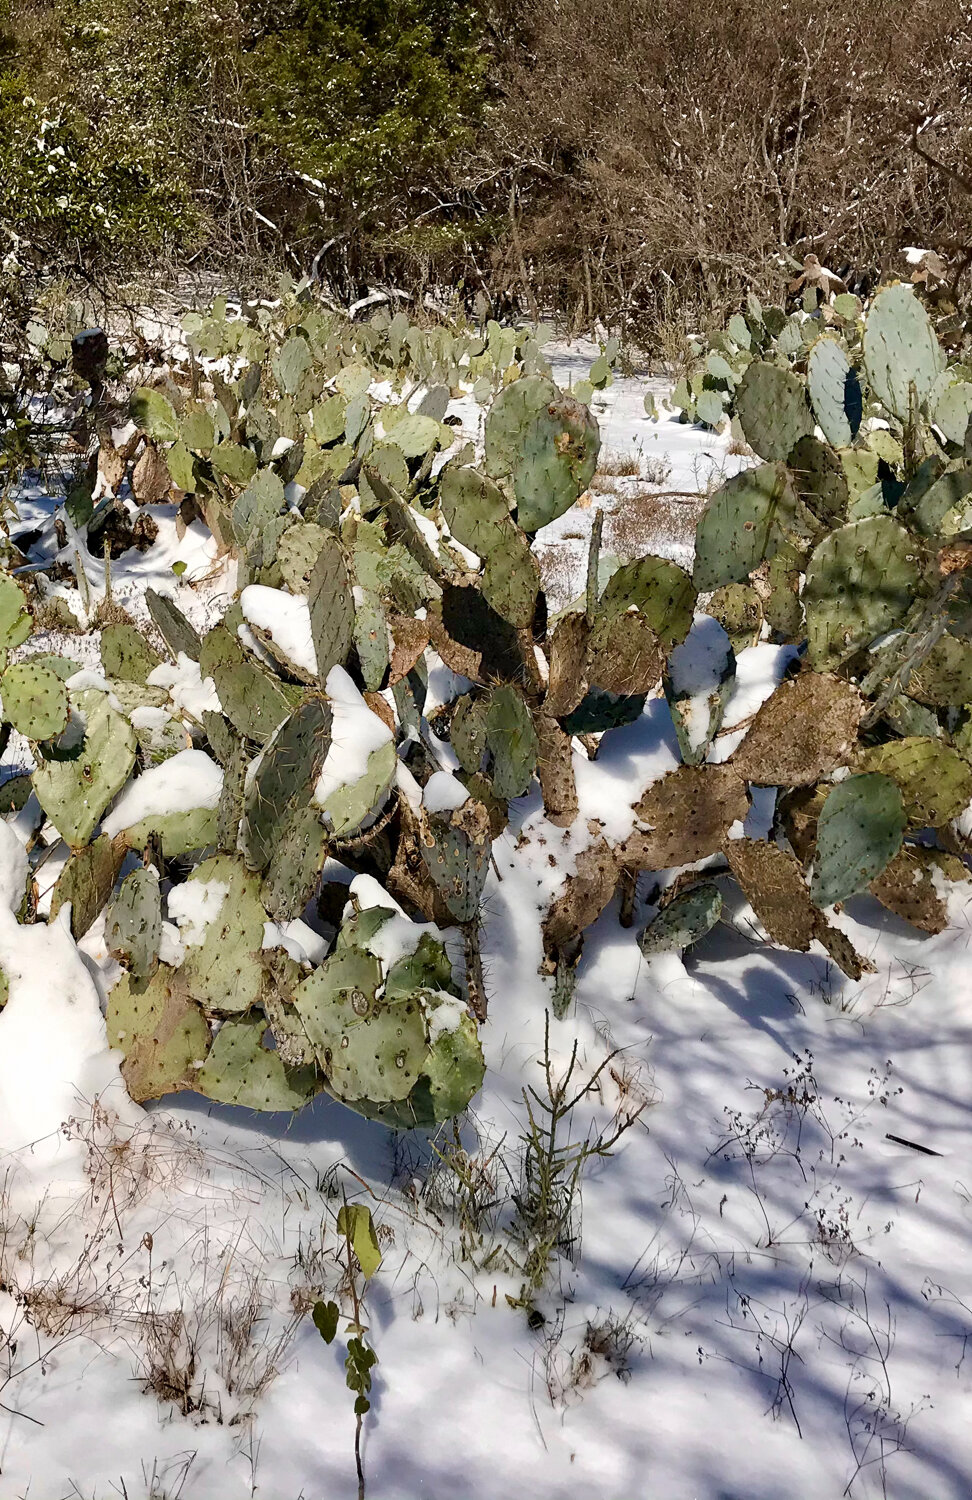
{"x":512,"y":742}
{"x":771,"y":405}
{"x":16,"y":621}
{"x":134,"y":927}
{"x":241,"y":1070}
{"x":683,"y":922}
{"x":163,"y":1036}
{"x":126,"y":654}
{"x":859,"y":832}
{"x":687,"y":816}
{"x":861,"y":580}
{"x":546,"y":442}
{"x":901,"y":350}
{"x":284,"y":779}
{"x":835,"y":392}
{"x":35,"y":700}
{"x":805,"y":730}
{"x":224,"y":972}
{"x":934,"y":780}
{"x":74,"y":793}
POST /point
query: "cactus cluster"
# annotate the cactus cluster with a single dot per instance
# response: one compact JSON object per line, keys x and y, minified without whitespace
{"x":201,"y":823}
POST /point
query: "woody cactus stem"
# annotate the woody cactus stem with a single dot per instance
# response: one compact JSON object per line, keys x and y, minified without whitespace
{"x":593,"y":565}
{"x":473,"y":954}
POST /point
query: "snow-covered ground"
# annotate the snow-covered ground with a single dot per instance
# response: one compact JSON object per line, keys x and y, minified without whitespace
{"x":770,"y":1292}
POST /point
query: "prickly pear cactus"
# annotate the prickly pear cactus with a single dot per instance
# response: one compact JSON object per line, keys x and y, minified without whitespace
{"x":772,"y":408}
{"x":34,"y":700}
{"x":861,"y":581}
{"x":901,"y":351}
{"x":546,"y":443}
{"x":75,"y":792}
{"x":859,"y":832}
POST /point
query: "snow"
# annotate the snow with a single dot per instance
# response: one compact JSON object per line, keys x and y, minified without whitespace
{"x":355,"y":733}
{"x":791,"y":1278}
{"x":187,"y":689}
{"x":185,"y":781}
{"x":696,"y":668}
{"x":286,"y":619}
{"x":443,"y":793}
{"x":444,"y":1016}
{"x":301,"y":942}
{"x":193,"y":905}
{"x":399,"y":936}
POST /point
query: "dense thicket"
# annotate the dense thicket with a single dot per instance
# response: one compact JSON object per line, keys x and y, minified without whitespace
{"x":596,"y":161}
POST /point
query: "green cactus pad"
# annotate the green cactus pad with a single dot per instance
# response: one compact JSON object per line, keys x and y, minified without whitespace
{"x":456,"y":847}
{"x":478,"y":516}
{"x":860,"y":582}
{"x":164,"y":1036}
{"x":901,"y":350}
{"x":74,"y":793}
{"x":835,"y":392}
{"x":237,"y":463}
{"x":859,"y":831}
{"x":346,"y":808}
{"x":739,"y":610}
{"x":16,"y":621}
{"x":296,"y":862}
{"x":546,"y":442}
{"x":34,"y":700}
{"x":944,"y":678}
{"x":467,"y":732}
{"x":172,"y":625}
{"x":742,"y":525}
{"x":260,"y":503}
{"x":254,"y":702}
{"x":368,"y":1049}
{"x":455,"y":1069}
{"x":771,"y":404}
{"x":87,"y":881}
{"x":331,"y":607}
{"x":929,"y":511}
{"x":241,"y":1070}
{"x":428,"y":968}
{"x":297,"y":552}
{"x":952,"y":409}
{"x":685,"y":921}
{"x":512,"y":741}
{"x":934,"y":780}
{"x":152,"y":414}
{"x":819,"y":480}
{"x":285,"y":778}
{"x":598,"y":712}
{"x":177,"y":832}
{"x":660,"y":589}
{"x":126,"y":654}
{"x":224,"y":973}
{"x":134,"y":927}
{"x":370,"y":633}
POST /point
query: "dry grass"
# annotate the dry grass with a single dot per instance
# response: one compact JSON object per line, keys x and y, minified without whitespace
{"x":642,"y":519}
{"x":619,"y":465}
